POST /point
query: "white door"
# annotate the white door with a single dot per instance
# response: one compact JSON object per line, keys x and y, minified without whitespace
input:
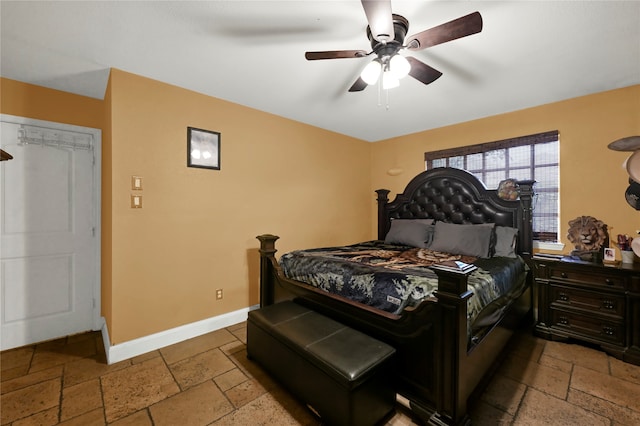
{"x":49,"y":250}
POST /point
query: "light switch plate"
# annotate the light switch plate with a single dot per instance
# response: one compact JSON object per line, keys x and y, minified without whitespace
{"x":136,"y":182}
{"x":136,"y":201}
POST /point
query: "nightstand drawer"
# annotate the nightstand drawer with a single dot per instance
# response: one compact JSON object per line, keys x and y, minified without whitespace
{"x":589,"y":326}
{"x":588,"y":277}
{"x":568,"y":297}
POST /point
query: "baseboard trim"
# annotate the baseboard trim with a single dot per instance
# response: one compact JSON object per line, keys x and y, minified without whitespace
{"x":126,"y":350}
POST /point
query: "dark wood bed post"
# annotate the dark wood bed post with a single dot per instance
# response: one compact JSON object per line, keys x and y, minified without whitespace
{"x":383,"y":199}
{"x":451,"y":403}
{"x":267,"y":275}
{"x":526,"y":200}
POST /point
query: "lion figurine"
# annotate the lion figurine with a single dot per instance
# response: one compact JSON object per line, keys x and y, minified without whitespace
{"x":588,"y":235}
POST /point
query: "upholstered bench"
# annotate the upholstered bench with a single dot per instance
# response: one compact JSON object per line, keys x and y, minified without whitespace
{"x":340,"y":373}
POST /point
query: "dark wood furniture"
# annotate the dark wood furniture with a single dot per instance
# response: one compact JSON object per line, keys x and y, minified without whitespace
{"x":436,"y":369}
{"x":341,"y":373}
{"x":593,"y":302}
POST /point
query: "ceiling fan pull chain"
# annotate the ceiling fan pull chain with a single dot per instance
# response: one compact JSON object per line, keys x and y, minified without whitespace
{"x":386,"y":94}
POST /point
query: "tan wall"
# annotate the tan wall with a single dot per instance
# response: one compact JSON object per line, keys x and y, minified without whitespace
{"x":197,"y":229}
{"x":592,"y":181}
{"x":106,"y":284}
{"x":196,"y":232}
{"x":26,"y":100}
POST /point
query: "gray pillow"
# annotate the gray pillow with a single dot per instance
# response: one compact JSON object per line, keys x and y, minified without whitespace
{"x":506,"y":241}
{"x":470,"y":240}
{"x":410,"y":232}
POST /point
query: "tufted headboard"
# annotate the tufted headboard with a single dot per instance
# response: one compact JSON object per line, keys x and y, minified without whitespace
{"x":456,"y":196}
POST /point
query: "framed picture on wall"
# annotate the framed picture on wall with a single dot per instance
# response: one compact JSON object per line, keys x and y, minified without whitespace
{"x":203,"y":148}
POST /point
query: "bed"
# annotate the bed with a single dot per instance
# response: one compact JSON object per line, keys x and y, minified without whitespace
{"x":447,"y":339}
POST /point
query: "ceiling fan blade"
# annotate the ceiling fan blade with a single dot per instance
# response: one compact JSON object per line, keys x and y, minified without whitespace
{"x":452,"y":30}
{"x":358,"y":86}
{"x":422,"y":72}
{"x":335,"y":54}
{"x":380,"y":19}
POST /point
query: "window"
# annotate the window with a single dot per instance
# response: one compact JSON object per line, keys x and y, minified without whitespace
{"x":528,"y":157}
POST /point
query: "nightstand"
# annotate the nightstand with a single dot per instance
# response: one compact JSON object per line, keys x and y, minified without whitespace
{"x":592,"y":302}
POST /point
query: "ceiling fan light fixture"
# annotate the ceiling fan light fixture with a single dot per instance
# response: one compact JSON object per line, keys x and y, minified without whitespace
{"x":389,"y":81}
{"x":371,"y":72}
{"x":387,"y":33}
{"x":399,"y":66}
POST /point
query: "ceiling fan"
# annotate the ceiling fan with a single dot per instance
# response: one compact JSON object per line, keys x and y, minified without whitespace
{"x":386,"y":32}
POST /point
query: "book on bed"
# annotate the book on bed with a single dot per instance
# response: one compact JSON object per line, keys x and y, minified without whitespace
{"x":455,"y":266}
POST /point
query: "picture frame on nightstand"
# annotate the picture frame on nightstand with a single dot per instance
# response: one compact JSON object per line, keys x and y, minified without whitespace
{"x":609,"y":255}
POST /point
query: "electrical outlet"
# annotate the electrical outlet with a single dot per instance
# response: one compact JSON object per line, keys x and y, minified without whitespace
{"x":219,"y":294}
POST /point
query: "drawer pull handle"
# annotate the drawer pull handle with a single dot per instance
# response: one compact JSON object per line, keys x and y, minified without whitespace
{"x":608,"y":304}
{"x":563,"y":275}
{"x":563,"y":320}
{"x":609,"y":281}
{"x":609,"y":331}
{"x":563,"y":297}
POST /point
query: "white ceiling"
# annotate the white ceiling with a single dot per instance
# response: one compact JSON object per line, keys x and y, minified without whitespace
{"x":252,"y":53}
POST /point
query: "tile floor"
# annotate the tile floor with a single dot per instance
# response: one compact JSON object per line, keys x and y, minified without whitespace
{"x":209,"y":381}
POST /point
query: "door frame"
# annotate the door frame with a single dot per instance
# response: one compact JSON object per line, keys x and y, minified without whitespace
{"x":97,"y":320}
